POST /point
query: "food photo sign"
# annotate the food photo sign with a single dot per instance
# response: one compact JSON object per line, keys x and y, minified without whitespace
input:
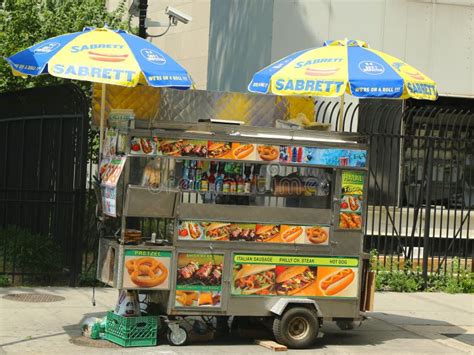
{"x":350,"y":212}
{"x":199,"y":280}
{"x":254,"y":232}
{"x":285,"y":275}
{"x":146,"y":269}
{"x":248,"y":151}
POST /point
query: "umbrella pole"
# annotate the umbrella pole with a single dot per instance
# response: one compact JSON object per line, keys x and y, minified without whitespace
{"x":341,"y":115}
{"x":102,"y":119}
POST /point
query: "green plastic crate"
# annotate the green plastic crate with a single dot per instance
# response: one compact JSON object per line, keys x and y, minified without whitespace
{"x":131,"y":331}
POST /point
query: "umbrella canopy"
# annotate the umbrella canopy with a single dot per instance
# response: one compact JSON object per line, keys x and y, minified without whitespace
{"x":343,"y":66}
{"x":104,"y":56}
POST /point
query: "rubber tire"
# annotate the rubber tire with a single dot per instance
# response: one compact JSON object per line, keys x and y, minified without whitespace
{"x":281,"y":328}
{"x":170,"y":339}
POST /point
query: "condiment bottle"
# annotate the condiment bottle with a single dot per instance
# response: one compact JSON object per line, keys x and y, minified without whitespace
{"x":226,"y":184}
{"x":240,"y":183}
{"x":204,"y":184}
{"x":248,"y":180}
{"x":232,"y":185}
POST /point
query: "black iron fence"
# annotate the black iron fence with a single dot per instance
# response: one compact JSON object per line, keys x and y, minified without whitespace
{"x":43,"y":150}
{"x":421,"y":181}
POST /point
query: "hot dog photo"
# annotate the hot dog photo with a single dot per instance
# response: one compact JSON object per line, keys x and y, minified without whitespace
{"x":351,"y":203}
{"x":142,"y":145}
{"x":190,"y":230}
{"x":292,"y":234}
{"x":337,"y":281}
{"x":244,"y":151}
{"x":145,"y":269}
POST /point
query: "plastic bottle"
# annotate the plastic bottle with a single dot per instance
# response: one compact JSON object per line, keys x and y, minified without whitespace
{"x":204,"y":184}
{"x":261,"y":180}
{"x":256,"y":170}
{"x":226,"y":184}
{"x":232,"y":185}
{"x":248,"y":180}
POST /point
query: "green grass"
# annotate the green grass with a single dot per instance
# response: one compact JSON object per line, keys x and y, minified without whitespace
{"x":393,"y":277}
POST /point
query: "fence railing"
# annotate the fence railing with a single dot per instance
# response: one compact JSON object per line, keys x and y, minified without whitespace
{"x":421,"y":181}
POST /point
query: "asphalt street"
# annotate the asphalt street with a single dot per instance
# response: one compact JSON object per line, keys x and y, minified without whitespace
{"x":416,"y":323}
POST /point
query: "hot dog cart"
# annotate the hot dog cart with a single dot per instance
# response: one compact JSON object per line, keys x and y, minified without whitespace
{"x":232,"y":220}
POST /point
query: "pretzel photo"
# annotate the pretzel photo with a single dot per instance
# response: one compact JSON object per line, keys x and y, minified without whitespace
{"x":316,"y":235}
{"x":267,"y":152}
{"x":146,"y":272}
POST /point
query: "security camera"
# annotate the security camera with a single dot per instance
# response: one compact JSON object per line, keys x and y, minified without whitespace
{"x":177,"y":15}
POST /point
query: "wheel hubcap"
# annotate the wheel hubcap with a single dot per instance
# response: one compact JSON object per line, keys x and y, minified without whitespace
{"x":298,"y":328}
{"x":178,"y":336}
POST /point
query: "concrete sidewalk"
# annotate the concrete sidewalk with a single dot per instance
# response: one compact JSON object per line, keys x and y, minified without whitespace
{"x":402,"y":323}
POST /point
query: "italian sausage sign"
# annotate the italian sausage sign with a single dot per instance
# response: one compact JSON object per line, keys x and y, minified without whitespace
{"x":286,"y":275}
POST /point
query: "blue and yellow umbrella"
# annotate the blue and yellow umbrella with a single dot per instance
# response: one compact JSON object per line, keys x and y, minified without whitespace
{"x":344,"y":66}
{"x":101,"y":55}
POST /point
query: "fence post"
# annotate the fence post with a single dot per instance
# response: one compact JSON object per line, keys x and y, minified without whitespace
{"x":426,"y":234}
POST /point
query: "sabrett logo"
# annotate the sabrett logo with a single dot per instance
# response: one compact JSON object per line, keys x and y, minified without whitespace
{"x":85,"y":47}
{"x":418,"y":88}
{"x":93,"y":72}
{"x":317,"y":61}
{"x":309,"y":85}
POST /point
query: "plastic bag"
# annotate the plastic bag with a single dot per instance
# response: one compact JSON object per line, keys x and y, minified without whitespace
{"x":127,"y":304}
{"x":92,"y":327}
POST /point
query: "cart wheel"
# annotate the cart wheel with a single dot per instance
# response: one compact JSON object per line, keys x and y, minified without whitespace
{"x":297,"y":328}
{"x":177,"y":337}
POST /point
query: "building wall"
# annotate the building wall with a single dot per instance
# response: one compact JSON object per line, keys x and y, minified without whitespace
{"x":223,"y":51}
{"x":187,"y":44}
{"x":240,"y":42}
{"x":435,"y":36}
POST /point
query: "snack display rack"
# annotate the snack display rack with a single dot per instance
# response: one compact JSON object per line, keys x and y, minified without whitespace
{"x":227,"y":220}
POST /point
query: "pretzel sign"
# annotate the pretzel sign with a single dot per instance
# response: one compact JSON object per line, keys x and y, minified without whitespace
{"x":146,"y":272}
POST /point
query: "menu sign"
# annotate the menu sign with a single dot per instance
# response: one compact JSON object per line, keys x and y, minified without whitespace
{"x":253,"y":232}
{"x":146,"y":269}
{"x":199,"y":280}
{"x":250,"y":151}
{"x":286,"y":275}
{"x":350,"y":215}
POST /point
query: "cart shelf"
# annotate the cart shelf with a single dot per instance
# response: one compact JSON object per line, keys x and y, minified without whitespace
{"x":254,"y":214}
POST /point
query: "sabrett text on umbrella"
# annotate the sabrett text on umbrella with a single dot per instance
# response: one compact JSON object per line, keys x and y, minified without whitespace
{"x":305,"y":63}
{"x":309,"y":85}
{"x":75,"y":49}
{"x":94,"y":72}
{"x":418,"y":88}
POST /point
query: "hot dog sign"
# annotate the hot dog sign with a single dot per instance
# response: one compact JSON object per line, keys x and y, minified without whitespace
{"x":285,"y":275}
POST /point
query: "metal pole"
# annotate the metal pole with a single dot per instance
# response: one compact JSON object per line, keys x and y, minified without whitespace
{"x":102,"y":121}
{"x":142,"y":7}
{"x":341,"y":114}
{"x":426,"y":234}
